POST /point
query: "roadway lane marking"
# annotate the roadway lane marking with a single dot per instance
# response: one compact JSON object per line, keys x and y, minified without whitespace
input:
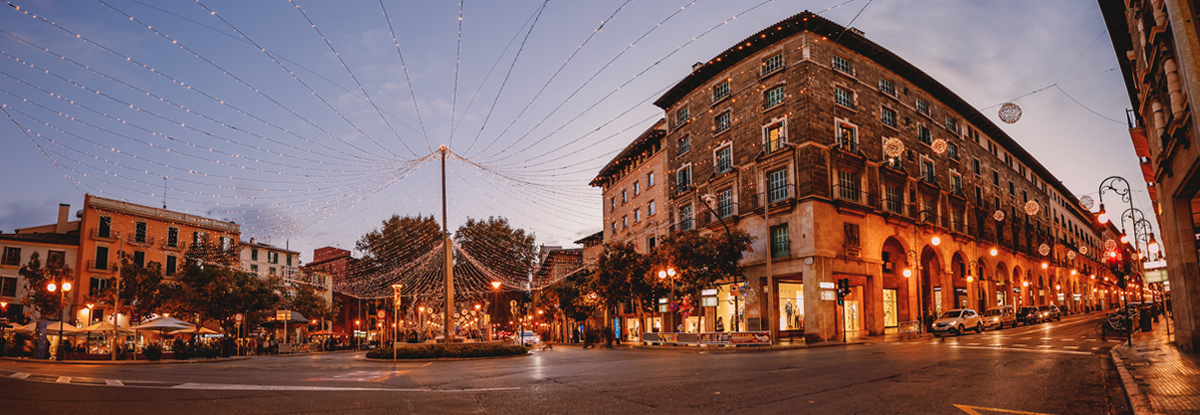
{"x":973,"y":344}
{"x":216,"y":386}
{"x":1068,"y":340}
{"x":113,"y":382}
{"x":1045,"y":345}
{"x":1071,"y":347}
{"x":63,"y":379}
{"x":975,"y":410}
{"x":1019,"y":345}
{"x":1024,"y":350}
{"x":20,"y":375}
{"x":361,"y":376}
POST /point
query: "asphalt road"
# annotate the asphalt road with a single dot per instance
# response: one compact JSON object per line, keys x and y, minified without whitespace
{"x":1059,"y":368}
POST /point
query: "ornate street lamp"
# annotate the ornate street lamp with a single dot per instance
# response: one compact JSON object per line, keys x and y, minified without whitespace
{"x":62,"y":309}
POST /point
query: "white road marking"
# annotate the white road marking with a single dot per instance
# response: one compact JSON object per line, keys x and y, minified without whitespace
{"x":973,"y":344}
{"x":216,"y":386}
{"x":113,"y":382}
{"x":19,"y":375}
{"x":1071,"y":347}
{"x":63,"y":379}
{"x":1095,"y":348}
{"x":1068,"y":340}
{"x":1019,"y":345}
{"x":1044,"y":345}
{"x":1024,"y":350}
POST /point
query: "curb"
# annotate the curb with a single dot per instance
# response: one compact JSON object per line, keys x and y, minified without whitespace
{"x":125,"y":362}
{"x":743,"y":349}
{"x":1137,"y":401}
{"x":443,"y":359}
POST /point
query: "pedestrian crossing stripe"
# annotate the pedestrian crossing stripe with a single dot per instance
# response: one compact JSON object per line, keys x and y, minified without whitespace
{"x":361,"y":376}
{"x":975,"y":410}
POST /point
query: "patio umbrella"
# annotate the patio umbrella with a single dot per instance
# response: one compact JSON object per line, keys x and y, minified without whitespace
{"x":164,"y":324}
{"x":65,"y":328}
{"x":203,"y":330}
{"x":26,"y":328}
{"x":104,"y":327}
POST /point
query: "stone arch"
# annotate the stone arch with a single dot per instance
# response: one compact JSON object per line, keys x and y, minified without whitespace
{"x":897,"y":297}
{"x":957,"y":292}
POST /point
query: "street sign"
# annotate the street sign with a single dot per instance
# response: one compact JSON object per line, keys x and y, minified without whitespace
{"x":283,"y":315}
{"x":381,"y":314}
{"x":237,"y":317}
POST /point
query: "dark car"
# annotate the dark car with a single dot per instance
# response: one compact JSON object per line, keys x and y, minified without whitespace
{"x":1029,"y":315}
{"x":1051,"y":312}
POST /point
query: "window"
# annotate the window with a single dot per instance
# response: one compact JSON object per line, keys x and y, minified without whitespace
{"x":614,"y":227}
{"x":1025,"y":196}
{"x":848,"y":185}
{"x":724,"y":159}
{"x":886,"y":86}
{"x":685,"y":218}
{"x":927,"y":171}
{"x":651,"y":243}
{"x":650,"y":208}
{"x":637,"y":215}
{"x":139,"y":258}
{"x":922,"y":106}
{"x":924,"y":135}
{"x":777,"y":185}
{"x":952,"y":124}
{"x":1012,"y":188}
{"x":56,"y":259}
{"x":772,"y":64}
{"x":888,"y":117}
{"x":289,"y":260}
{"x":952,"y":150}
{"x":975,"y":166}
{"x":650,"y":179}
{"x":722,"y":122}
{"x":779,"y":241}
{"x":140,"y":233}
{"x":929,"y":205}
{"x":637,"y":188}
{"x":773,"y":97}
{"x":683,"y":178}
{"x":624,"y":196}
{"x":979,"y":195}
{"x":625,"y":222}
{"x":12,"y":256}
{"x":843,"y":97}
{"x":612,"y":204}
{"x":956,"y":183}
{"x":101,"y":261}
{"x":956,"y":220}
{"x":725,"y":203}
{"x":843,"y":65}
{"x":8,"y":287}
{"x":99,"y":284}
{"x":774,"y":136}
{"x":681,"y":116}
{"x":895,"y":198}
{"x":720,"y":91}
{"x":254,"y":268}
{"x":995,"y":178}
{"x":272,"y":271}
{"x":105,"y":228}
{"x":254,"y":254}
{"x":172,"y":264}
{"x":685,"y":144}
{"x":847,"y":137}
{"x":173,"y":237}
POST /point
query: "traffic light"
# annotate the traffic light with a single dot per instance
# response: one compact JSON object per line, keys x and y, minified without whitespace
{"x":1118,"y":263}
{"x":843,"y":290}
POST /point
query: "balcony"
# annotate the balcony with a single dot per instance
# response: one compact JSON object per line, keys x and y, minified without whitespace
{"x":146,"y":240}
{"x":110,"y":236}
{"x":855,"y":198}
{"x":179,"y":246}
{"x":102,"y":268}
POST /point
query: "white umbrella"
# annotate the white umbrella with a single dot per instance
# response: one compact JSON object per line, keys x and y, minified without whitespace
{"x":203,"y":330}
{"x":163,"y":324}
{"x":58,"y":326}
{"x":26,"y":328}
{"x":104,"y":327}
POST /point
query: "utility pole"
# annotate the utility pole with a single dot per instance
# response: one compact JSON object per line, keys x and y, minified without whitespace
{"x":449,"y":267}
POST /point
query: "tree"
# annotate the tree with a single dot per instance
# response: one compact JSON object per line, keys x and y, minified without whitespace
{"x":304,"y":299}
{"x":622,"y":276}
{"x":497,"y":246}
{"x":572,"y":296}
{"x":397,"y":243}
{"x":702,"y":261}
{"x":36,"y":278}
{"x":211,"y":287}
{"x":142,"y":289}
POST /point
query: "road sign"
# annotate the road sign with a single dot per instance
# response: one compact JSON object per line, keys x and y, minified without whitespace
{"x":238,"y":317}
{"x":381,"y":314}
{"x":283,"y":315}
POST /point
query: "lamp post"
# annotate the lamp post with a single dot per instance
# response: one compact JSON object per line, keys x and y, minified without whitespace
{"x":935,"y":241}
{"x":496,"y":302}
{"x":1126,"y":194}
{"x":708,"y":199}
{"x":3,"y":323}
{"x":663,"y":274}
{"x":62,"y":309}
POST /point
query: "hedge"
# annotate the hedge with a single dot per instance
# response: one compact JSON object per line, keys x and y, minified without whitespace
{"x":457,"y":350}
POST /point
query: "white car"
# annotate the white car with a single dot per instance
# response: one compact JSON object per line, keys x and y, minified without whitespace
{"x":957,"y":321}
{"x":527,"y":338}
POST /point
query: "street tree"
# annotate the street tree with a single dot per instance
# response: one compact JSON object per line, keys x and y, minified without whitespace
{"x":142,"y":288}
{"x":305,"y":299}
{"x":621,"y":277}
{"x":703,"y":260}
{"x":497,"y":246}
{"x":212,"y":287}
{"x":390,"y":254}
{"x":36,"y":276}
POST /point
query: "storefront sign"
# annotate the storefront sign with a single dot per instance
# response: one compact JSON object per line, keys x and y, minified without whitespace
{"x":709,"y":292}
{"x":827,"y":286}
{"x":714,"y":338}
{"x":761,"y":337}
{"x":1076,"y":297}
{"x":828,"y":295}
{"x":283,"y":314}
{"x":708,"y":302}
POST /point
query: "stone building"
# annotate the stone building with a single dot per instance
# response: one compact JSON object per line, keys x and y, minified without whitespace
{"x":1157,"y":44}
{"x":845,"y":161}
{"x":55,"y":244}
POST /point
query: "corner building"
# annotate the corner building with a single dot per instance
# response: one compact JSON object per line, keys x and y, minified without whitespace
{"x":843,"y":160}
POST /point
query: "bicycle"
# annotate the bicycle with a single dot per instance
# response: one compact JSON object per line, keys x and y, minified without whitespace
{"x":1115,"y":323}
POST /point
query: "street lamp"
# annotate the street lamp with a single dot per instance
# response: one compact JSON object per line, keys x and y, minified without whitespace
{"x":3,"y":322}
{"x":708,"y":199}
{"x":935,"y":241}
{"x":670,"y":272}
{"x":62,"y":309}
{"x":496,"y":301}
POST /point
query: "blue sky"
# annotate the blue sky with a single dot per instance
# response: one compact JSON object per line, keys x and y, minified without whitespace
{"x":307,"y":133}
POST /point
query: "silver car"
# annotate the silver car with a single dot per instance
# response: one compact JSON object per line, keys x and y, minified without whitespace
{"x":998,"y":317}
{"x":957,"y":321}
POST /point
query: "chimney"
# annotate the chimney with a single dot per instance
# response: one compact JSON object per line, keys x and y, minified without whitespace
{"x":64,"y":215}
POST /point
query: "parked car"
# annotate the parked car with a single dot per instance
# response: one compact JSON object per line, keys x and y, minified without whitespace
{"x":999,"y":317}
{"x":1051,"y":312}
{"x":527,"y":338}
{"x":957,"y":321}
{"x":1029,"y":315}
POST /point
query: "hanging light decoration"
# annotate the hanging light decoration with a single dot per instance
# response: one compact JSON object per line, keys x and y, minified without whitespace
{"x":1110,"y":245}
{"x":1010,"y":112}
{"x":998,"y":216}
{"x":939,"y":146}
{"x":1086,"y":202}
{"x":1044,"y":249}
{"x":893,"y":147}
{"x":1032,"y":208}
{"x":1071,"y":255}
{"x":1083,"y":250}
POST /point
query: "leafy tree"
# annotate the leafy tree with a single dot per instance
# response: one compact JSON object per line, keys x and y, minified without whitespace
{"x":622,"y":275}
{"x":142,"y":289}
{"x":703,"y":260}
{"x":212,"y":287}
{"x":572,"y":296}
{"x":397,"y":243}
{"x":304,"y":299}
{"x":36,"y":277}
{"x":498,"y":246}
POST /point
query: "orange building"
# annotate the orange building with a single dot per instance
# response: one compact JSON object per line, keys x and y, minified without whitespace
{"x":108,"y":227}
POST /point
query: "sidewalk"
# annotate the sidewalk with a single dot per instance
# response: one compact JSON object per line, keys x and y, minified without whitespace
{"x":1158,"y":378}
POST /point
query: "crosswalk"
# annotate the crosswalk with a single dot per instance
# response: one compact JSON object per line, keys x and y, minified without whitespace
{"x":1072,"y":337}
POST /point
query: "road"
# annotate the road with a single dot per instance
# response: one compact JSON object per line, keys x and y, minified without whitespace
{"x":1058,"y":368}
